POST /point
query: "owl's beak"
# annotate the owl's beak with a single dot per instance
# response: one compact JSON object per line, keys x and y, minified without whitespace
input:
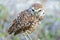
{"x":36,"y":12}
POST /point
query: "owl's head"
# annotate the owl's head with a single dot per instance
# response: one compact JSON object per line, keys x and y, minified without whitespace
{"x":37,"y":10}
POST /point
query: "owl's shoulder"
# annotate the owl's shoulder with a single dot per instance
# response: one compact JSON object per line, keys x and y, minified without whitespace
{"x":26,"y":12}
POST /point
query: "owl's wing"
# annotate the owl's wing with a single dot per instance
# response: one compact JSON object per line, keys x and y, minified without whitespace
{"x":22,"y":23}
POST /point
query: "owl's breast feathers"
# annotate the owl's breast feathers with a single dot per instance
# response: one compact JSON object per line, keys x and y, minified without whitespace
{"x":25,"y":21}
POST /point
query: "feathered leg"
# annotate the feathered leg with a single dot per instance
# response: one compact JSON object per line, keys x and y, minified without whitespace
{"x":27,"y":36}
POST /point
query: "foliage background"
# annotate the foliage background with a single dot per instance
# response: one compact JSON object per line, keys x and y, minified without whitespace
{"x":49,"y":28}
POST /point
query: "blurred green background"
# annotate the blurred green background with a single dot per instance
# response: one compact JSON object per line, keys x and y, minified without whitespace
{"x":49,"y":28}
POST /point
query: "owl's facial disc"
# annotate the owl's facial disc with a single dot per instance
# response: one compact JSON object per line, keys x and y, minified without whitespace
{"x":38,"y":12}
{"x":37,"y":9}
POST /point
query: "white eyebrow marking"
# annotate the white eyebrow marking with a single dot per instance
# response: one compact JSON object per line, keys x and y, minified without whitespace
{"x":37,"y":9}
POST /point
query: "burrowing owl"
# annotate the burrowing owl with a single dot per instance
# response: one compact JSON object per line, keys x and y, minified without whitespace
{"x":28,"y":20}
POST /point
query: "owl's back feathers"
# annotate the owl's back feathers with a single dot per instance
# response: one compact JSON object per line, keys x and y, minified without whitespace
{"x":22,"y":23}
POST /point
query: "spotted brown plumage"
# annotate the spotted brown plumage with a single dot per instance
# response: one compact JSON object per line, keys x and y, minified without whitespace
{"x":26,"y":20}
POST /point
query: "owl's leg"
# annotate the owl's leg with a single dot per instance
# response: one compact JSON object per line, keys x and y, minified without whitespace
{"x":26,"y":35}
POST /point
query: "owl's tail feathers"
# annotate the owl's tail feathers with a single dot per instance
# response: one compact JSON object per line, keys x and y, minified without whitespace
{"x":11,"y":29}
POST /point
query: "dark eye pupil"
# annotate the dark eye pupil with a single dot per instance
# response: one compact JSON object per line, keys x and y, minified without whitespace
{"x":39,"y":10}
{"x":33,"y":10}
